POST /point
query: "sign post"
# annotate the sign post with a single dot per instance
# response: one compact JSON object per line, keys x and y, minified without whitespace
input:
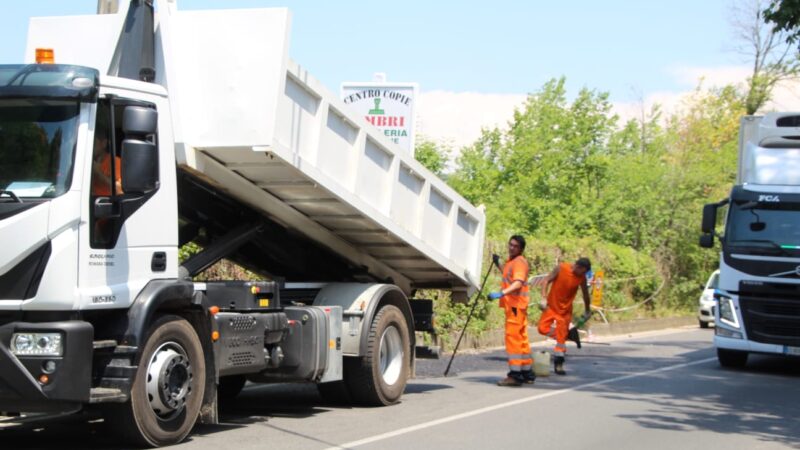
{"x":597,"y":290}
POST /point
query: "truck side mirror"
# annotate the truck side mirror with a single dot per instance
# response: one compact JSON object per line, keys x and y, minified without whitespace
{"x":139,"y":153}
{"x":140,"y":121}
{"x":139,"y":166}
{"x":709,"y":219}
{"x":707,"y":241}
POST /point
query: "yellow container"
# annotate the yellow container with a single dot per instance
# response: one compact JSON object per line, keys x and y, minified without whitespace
{"x":541,"y":363}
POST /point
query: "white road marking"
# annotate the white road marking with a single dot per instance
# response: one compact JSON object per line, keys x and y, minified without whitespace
{"x":422,"y":426}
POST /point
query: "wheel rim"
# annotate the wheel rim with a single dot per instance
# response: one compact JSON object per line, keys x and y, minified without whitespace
{"x":169,"y":380}
{"x":391,"y":355}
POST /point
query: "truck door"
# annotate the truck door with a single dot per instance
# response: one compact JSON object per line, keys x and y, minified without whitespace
{"x":121,"y":246}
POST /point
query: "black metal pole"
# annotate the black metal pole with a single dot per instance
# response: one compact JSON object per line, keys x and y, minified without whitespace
{"x":471,"y":311}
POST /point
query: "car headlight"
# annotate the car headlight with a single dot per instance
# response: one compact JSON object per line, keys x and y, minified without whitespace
{"x":36,"y":344}
{"x":727,"y":312}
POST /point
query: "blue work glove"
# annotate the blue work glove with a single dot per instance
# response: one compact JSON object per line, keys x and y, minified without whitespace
{"x":495,"y":295}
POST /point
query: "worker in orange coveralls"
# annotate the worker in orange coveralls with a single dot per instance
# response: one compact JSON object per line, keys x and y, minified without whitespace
{"x":514,"y":300}
{"x":564,"y":281}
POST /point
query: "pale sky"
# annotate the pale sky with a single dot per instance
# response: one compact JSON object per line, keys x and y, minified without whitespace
{"x":475,"y":61}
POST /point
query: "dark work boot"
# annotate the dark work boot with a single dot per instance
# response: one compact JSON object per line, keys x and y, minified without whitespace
{"x":559,"y":365}
{"x":514,"y":378}
{"x":528,"y":377}
{"x":509,"y":381}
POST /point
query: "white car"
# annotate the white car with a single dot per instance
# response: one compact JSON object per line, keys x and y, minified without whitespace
{"x":705,"y":312}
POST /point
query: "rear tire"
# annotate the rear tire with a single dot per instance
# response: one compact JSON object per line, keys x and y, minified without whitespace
{"x":167,"y":390}
{"x":379,"y":378}
{"x":703,"y":324}
{"x":731,"y":358}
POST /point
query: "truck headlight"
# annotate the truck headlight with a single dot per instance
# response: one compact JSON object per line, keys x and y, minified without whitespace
{"x":727,"y":312}
{"x":36,"y":344}
{"x":724,"y":332}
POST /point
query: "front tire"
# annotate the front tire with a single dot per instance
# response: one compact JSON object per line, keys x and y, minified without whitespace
{"x":167,"y":390}
{"x":731,"y":358}
{"x":379,"y":378}
{"x":703,"y":324}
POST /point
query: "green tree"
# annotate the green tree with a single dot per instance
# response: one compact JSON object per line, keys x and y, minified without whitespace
{"x":785,"y":15}
{"x":573,"y":181}
{"x":432,"y":156}
{"x":765,"y":47}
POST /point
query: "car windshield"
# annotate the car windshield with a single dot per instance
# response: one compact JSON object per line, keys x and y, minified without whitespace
{"x":37,"y":146}
{"x":713,"y":282}
{"x":770,"y":227}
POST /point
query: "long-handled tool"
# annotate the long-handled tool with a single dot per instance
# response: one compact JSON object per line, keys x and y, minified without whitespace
{"x":476,"y":299}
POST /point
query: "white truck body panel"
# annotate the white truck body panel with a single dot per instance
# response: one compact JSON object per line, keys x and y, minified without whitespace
{"x":259,"y":127}
{"x":768,"y":155}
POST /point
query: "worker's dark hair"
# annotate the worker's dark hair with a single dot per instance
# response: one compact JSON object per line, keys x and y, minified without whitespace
{"x":585,"y":263}
{"x":520,"y":240}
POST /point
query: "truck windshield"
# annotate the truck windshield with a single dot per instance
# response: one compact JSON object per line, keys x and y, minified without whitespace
{"x":37,"y":146}
{"x":775,"y":227}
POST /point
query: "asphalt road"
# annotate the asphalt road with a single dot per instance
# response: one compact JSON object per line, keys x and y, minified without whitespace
{"x":663,"y":390}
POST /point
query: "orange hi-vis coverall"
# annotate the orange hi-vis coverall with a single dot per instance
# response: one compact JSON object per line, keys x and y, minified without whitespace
{"x":101,"y":189}
{"x":555,"y":319}
{"x":515,"y":305}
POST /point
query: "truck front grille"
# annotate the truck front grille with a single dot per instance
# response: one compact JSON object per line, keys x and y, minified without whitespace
{"x":771,"y":320}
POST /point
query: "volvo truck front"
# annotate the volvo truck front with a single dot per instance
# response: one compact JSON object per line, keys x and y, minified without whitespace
{"x":758,"y":298}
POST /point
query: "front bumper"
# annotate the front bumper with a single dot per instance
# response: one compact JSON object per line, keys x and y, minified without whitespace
{"x":749,"y":346}
{"x":68,"y":385}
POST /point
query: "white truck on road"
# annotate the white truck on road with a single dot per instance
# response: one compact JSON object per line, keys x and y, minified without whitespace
{"x":758,"y":297}
{"x":158,"y":129}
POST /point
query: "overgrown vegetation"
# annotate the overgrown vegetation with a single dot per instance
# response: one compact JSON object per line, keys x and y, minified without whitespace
{"x":222,"y":270}
{"x":575,"y":181}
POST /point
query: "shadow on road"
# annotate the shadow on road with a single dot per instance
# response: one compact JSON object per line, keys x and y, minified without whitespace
{"x":760,"y":400}
{"x":255,"y":406}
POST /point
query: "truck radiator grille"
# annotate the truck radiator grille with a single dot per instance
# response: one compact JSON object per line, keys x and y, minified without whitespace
{"x":771,"y":320}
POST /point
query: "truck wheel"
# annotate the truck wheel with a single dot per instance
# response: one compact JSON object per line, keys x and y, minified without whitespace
{"x":731,"y":358}
{"x":230,"y":387}
{"x":703,"y":324}
{"x":167,"y":390}
{"x":379,"y":378}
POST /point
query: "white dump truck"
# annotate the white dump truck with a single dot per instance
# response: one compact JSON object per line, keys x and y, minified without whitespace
{"x":125,"y":136}
{"x":757,"y":301}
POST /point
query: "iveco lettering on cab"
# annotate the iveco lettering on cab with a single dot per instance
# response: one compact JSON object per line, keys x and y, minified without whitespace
{"x":127,"y":135}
